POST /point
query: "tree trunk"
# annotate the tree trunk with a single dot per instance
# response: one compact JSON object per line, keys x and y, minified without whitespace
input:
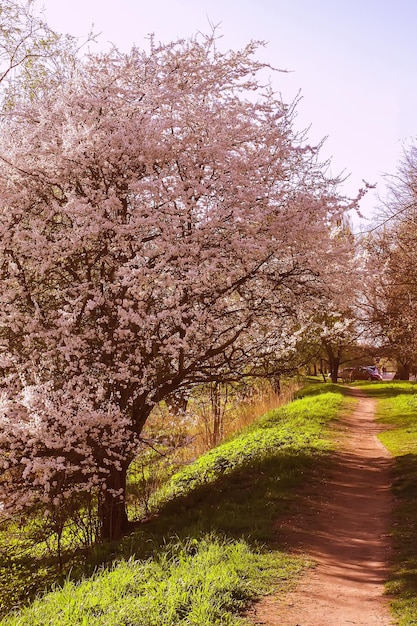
{"x":217,"y":413}
{"x":177,"y":401}
{"x":112,"y":514}
{"x":403,"y":371}
{"x":334,"y":369}
{"x":113,"y":520}
{"x":334,"y":361}
{"x":276,"y":384}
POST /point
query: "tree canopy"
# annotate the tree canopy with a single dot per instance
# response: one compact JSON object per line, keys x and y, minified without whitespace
{"x":391,"y":295}
{"x":162,"y":223}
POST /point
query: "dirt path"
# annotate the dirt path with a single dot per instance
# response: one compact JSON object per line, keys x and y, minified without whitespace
{"x":342,"y":526}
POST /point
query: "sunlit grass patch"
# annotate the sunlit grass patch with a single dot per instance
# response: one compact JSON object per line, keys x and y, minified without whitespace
{"x":401,"y":412}
{"x":199,"y":583}
{"x":387,"y":389}
{"x":398,"y":409}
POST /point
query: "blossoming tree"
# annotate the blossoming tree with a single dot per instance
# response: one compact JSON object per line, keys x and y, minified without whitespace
{"x":390,"y":293}
{"x":30,"y":52}
{"x":161,"y":224}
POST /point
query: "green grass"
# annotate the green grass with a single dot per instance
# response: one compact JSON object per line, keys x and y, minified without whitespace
{"x":211,"y":546}
{"x":201,"y":583}
{"x":397,"y":407}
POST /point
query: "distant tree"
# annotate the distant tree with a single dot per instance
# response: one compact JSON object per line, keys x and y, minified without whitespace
{"x":338,"y":334}
{"x":23,"y":37}
{"x":390,"y":294}
{"x":390,"y":299}
{"x":330,"y":333}
{"x":161,"y":225}
{"x":32,"y":55}
{"x":329,"y":340}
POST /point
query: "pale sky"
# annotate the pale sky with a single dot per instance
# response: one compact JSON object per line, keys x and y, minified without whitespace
{"x":354,"y":62}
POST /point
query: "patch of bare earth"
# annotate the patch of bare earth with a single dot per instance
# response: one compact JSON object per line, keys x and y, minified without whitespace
{"x":342,"y":526}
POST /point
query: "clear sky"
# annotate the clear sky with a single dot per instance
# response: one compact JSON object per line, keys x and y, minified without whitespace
{"x":353,"y":61}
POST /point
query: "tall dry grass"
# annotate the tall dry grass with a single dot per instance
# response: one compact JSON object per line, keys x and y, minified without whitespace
{"x":172,"y":441}
{"x":245,"y":413}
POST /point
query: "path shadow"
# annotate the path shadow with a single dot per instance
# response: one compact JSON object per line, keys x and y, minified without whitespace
{"x":343,"y":520}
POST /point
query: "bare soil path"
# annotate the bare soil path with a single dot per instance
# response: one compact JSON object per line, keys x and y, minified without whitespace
{"x":342,"y":525}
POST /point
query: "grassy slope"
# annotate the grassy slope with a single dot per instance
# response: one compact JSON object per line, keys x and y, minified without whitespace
{"x":210,"y":548}
{"x":397,"y":407}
